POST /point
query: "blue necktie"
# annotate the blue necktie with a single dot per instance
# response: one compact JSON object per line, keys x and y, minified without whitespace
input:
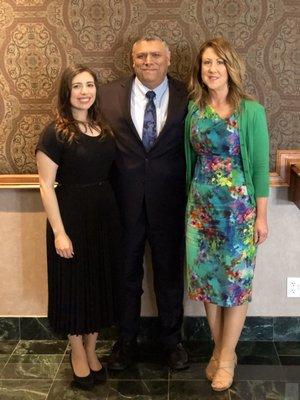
{"x":149,"y":127}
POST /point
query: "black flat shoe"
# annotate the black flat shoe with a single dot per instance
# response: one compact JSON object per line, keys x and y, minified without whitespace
{"x":81,"y":382}
{"x":99,"y":376}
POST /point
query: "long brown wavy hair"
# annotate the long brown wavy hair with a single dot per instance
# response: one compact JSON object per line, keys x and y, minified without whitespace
{"x":66,"y":125}
{"x":198,"y":91}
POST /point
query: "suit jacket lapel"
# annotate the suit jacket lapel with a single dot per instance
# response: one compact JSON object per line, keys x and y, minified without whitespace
{"x":174,"y":101}
{"x":125,"y":102}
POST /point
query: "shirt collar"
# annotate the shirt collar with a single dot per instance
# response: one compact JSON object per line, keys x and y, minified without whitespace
{"x":159,"y":90}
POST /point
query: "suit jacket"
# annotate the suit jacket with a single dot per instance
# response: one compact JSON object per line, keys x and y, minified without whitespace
{"x":155,"y":179}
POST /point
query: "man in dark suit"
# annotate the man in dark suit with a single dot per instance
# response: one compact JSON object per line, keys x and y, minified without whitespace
{"x":146,"y":112}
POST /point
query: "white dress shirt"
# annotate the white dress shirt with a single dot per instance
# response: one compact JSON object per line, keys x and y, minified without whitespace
{"x":139,"y":101}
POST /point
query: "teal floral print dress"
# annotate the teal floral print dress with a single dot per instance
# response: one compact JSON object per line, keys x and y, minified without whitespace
{"x":220,"y":215}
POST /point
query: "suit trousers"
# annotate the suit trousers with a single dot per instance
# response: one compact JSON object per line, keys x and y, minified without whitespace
{"x":166,"y":244}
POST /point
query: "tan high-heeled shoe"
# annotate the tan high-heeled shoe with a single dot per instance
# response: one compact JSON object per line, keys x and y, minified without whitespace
{"x":224,"y":375}
{"x":211,"y":367}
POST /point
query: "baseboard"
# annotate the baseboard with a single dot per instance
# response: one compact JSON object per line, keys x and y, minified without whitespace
{"x":277,"y":329}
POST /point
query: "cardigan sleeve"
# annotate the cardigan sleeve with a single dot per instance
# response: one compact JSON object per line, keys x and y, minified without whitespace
{"x":260,"y":153}
{"x":190,"y":155}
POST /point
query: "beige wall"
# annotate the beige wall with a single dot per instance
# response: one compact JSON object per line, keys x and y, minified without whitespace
{"x":23,"y":285}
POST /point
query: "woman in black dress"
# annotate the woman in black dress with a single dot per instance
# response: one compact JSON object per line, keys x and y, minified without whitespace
{"x":77,"y":151}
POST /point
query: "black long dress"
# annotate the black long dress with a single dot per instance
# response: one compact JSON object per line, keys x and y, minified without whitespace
{"x":81,"y":297}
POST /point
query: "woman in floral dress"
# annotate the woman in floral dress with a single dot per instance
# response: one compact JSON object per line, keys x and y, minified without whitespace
{"x":226,"y":141}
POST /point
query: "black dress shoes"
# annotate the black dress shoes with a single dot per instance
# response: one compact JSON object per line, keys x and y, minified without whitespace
{"x":83,"y":383}
{"x":122,"y":355}
{"x":177,"y":358}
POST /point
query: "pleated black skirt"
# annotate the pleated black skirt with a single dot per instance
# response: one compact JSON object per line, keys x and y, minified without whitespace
{"x":83,"y":291}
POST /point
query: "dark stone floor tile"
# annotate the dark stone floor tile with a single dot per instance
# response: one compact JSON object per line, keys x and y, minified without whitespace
{"x":257,"y":328}
{"x":66,"y":358}
{"x":257,"y":353}
{"x":199,"y":351}
{"x":37,"y":329}
{"x":138,"y":390}
{"x":290,"y":360}
{"x":286,"y":329}
{"x":104,"y":347}
{"x":144,"y":389}
{"x":9,"y":328}
{"x":141,"y":371}
{"x":288,"y":348}
{"x":291,"y":391}
{"x":65,"y":371}
{"x":62,"y":390}
{"x":3,"y":360}
{"x":242,"y":372}
{"x":36,"y":358}
{"x":196,"y":371}
{"x":28,"y":389}
{"x":29,"y":371}
{"x":40,"y":347}
{"x":196,"y":328}
{"x":151,"y":352}
{"x":195,"y":390}
{"x":258,"y":390}
{"x":103,"y":350}
{"x":259,"y":372}
{"x":292,"y":373}
{"x":8,"y":346}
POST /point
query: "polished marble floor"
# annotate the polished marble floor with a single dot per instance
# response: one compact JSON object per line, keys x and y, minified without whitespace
{"x":40,"y":369}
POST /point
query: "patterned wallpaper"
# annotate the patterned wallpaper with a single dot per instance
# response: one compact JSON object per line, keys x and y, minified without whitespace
{"x":38,"y":38}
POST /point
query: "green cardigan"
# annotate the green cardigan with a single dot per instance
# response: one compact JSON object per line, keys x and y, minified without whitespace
{"x":254,"y":142}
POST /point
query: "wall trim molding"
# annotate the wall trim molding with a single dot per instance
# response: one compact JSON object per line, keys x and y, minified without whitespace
{"x":19,"y":181}
{"x":280,"y":177}
{"x":284,"y":160}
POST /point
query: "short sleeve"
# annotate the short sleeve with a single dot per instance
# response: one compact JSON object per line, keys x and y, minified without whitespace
{"x":50,"y":144}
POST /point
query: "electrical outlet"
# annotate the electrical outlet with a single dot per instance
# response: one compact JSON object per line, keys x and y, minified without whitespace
{"x":293,"y":287}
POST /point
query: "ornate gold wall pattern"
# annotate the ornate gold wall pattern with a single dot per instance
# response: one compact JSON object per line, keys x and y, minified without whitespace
{"x":39,"y":38}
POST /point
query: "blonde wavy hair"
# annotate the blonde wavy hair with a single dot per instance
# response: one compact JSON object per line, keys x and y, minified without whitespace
{"x":198,"y":91}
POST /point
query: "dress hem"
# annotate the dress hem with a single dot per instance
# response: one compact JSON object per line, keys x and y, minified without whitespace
{"x":205,"y":300}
